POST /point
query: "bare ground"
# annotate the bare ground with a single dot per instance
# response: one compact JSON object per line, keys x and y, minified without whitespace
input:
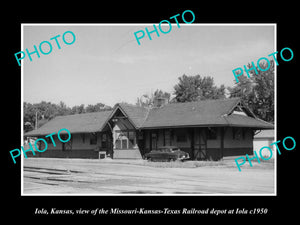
{"x":109,"y":177}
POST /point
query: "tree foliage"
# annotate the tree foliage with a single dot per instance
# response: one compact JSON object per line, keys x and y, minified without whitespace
{"x":257,"y":92}
{"x":195,"y":88}
{"x":45,"y":111}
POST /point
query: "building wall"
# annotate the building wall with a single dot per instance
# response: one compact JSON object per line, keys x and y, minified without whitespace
{"x":259,"y":143}
{"x":203,"y":147}
{"x":173,"y":138}
{"x":79,"y":141}
{"x":182,"y":138}
{"x":81,"y":147}
{"x":238,"y":146}
{"x":246,"y":141}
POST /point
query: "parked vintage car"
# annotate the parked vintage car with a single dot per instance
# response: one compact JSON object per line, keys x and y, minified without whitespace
{"x":166,"y":153}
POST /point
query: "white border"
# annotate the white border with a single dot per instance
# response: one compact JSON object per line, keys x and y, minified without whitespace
{"x":149,"y":24}
{"x":22,"y":111}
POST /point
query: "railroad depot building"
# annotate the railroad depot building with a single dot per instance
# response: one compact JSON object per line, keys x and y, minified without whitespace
{"x":207,"y":130}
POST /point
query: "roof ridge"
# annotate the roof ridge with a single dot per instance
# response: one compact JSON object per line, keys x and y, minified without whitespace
{"x":130,"y":104}
{"x":207,"y":100}
{"x":86,"y":113}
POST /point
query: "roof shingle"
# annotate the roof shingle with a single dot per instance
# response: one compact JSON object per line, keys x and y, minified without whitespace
{"x":208,"y":112}
{"x":78,"y":123}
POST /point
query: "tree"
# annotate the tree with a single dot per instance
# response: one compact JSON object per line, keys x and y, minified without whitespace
{"x":257,"y":92}
{"x":41,"y":112}
{"x":97,"y":108}
{"x":195,"y":88}
{"x":45,"y":111}
{"x":62,"y":109}
{"x":29,"y":116}
{"x":78,"y":109}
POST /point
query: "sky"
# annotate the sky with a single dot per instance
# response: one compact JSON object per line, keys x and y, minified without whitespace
{"x":105,"y":63}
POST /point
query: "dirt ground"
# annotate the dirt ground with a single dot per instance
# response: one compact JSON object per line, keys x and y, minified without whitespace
{"x":117,"y":177}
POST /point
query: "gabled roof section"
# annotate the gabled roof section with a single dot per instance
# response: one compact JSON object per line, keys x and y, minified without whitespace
{"x":78,"y":123}
{"x":240,"y":106}
{"x":208,"y":112}
{"x":265,"y":134}
{"x":246,"y":121}
{"x":203,"y":113}
{"x":135,"y":114}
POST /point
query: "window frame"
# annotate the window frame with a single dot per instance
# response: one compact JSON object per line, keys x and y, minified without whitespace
{"x":238,"y":133}
{"x":129,"y":141}
{"x":93,"y":139}
{"x":212,"y":133}
{"x":82,"y":135}
{"x":181,"y":136}
{"x":104,"y":140}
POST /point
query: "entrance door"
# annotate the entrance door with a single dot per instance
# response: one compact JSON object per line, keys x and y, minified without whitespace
{"x":153,"y":142}
{"x":200,"y":148}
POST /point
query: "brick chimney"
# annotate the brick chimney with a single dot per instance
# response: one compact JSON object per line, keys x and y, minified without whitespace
{"x":160,"y":102}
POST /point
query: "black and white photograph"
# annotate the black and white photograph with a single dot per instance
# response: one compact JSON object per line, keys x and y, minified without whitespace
{"x":144,"y":111}
{"x":158,"y":115}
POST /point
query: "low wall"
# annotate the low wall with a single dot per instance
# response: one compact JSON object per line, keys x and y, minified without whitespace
{"x":127,"y":154}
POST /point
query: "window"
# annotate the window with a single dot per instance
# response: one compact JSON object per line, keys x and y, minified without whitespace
{"x":244,"y":132}
{"x":181,"y":136}
{"x":167,"y":137}
{"x":131,"y":137}
{"x":104,"y":140}
{"x":93,"y":138}
{"x":48,"y":140}
{"x":124,"y":143}
{"x":153,"y":140}
{"x":212,"y":133}
{"x":125,"y":139}
{"x":121,"y":140}
{"x":237,"y":133}
{"x":118,"y":144}
{"x":67,"y":146}
{"x":83,"y":137}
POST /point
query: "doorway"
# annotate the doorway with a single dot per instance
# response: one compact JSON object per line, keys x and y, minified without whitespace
{"x":200,"y":144}
{"x":153,"y":140}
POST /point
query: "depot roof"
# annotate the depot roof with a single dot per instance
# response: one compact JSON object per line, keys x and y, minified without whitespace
{"x":78,"y":123}
{"x":190,"y":114}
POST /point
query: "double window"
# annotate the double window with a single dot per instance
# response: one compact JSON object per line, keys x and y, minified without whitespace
{"x":124,"y":139}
